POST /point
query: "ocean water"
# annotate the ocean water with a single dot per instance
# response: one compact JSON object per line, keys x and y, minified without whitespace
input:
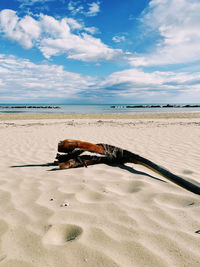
{"x":98,"y":109}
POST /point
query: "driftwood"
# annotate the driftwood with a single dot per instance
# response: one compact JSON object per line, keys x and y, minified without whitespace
{"x":110,"y":154}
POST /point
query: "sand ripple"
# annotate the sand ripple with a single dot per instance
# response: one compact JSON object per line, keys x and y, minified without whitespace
{"x":114,"y":216}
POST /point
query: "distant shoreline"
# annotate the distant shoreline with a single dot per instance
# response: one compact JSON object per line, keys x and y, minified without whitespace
{"x":99,"y":108}
{"x":36,"y":106}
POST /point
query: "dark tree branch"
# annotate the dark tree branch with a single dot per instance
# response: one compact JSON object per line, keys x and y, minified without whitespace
{"x":111,"y":154}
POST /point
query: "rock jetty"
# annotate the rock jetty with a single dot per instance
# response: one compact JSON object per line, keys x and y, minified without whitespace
{"x":157,"y":106}
{"x":36,"y":107}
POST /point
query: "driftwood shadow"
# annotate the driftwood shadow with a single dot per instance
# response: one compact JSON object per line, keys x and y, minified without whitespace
{"x":35,"y":165}
{"x":132,"y":170}
{"x":121,"y":166}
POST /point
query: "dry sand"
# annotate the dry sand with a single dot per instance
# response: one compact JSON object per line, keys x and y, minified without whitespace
{"x":101,"y":215}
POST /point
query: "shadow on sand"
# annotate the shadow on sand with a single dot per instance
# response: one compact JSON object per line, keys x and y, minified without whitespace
{"x":124,"y":167}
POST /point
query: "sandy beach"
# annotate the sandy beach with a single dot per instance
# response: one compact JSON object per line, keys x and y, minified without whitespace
{"x":122,"y":216}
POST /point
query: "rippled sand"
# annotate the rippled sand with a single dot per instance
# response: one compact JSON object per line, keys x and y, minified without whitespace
{"x":101,"y":215}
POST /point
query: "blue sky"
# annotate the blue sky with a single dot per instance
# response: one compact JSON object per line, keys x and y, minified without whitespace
{"x":106,"y":51}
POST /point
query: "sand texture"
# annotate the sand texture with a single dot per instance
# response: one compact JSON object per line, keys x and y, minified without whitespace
{"x":102,"y":215}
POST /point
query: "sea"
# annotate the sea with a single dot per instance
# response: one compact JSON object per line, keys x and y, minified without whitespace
{"x":99,"y":109}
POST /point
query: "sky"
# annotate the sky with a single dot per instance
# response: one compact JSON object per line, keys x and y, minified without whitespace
{"x":99,"y":51}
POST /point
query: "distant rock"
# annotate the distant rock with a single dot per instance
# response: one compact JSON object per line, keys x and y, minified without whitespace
{"x":158,"y":106}
{"x":36,"y":107}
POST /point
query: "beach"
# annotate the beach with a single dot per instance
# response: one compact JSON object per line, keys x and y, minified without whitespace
{"x":102,"y":215}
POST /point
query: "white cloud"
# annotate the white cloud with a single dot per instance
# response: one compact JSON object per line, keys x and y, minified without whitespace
{"x":21,"y":79}
{"x":177,"y":22}
{"x":32,"y":2}
{"x":118,"y":39}
{"x":160,"y":86}
{"x":60,"y":40}
{"x":74,"y":24}
{"x":94,"y":9}
{"x":76,"y":8}
{"x":91,"y":30}
{"x":55,"y":37}
{"x":25,"y":30}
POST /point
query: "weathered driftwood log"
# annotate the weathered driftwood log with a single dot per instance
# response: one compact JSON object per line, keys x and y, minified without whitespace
{"x":111,"y":154}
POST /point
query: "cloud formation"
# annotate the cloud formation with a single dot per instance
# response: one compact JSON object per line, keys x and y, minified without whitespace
{"x":161,"y":86}
{"x":26,"y":31}
{"x":32,"y":2}
{"x":118,"y":39}
{"x":76,"y":8}
{"x":55,"y":37}
{"x":94,"y":9}
{"x":21,"y":80}
{"x":177,"y":23}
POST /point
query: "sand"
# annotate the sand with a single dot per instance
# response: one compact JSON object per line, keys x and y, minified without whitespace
{"x":101,"y":215}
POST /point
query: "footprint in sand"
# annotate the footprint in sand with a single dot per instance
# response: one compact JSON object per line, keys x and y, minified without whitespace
{"x":187,"y":171}
{"x":61,"y":234}
{"x":133,"y":187}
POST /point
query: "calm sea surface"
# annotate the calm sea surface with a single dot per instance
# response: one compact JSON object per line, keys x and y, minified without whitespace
{"x":32,"y":108}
